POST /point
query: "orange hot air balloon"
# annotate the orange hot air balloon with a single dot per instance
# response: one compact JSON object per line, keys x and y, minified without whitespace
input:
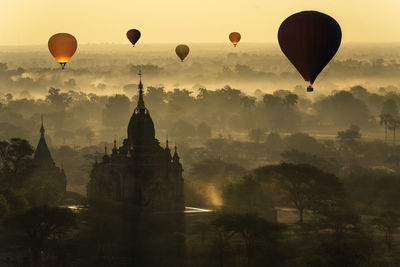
{"x":182,"y":51}
{"x":235,"y":38}
{"x":62,"y":46}
{"x":133,"y":36}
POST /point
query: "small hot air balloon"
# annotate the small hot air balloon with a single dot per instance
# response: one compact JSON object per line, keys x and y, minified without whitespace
{"x":62,"y":46}
{"x":133,"y":36}
{"x":182,"y":51}
{"x":235,"y":38}
{"x":309,"y":39}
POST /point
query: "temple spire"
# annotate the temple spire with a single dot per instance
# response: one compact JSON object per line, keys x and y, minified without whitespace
{"x":176,"y":157}
{"x":42,"y":153}
{"x":140,"y":101}
{"x":41,"y":127}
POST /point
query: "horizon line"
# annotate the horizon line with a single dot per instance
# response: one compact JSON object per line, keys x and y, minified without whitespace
{"x":198,"y":43}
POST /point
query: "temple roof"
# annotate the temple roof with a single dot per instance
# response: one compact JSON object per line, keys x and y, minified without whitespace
{"x":42,"y":152}
{"x":141,"y":127}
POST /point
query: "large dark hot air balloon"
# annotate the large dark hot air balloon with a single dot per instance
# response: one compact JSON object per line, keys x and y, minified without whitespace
{"x":62,"y":46}
{"x":133,"y":36}
{"x":309,"y":39}
{"x":235,"y":38}
{"x":182,"y":51}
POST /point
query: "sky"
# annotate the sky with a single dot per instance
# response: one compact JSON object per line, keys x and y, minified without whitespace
{"x":32,"y":22}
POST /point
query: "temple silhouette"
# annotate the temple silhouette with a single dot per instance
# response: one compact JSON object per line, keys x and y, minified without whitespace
{"x":45,"y":171}
{"x":140,"y":172}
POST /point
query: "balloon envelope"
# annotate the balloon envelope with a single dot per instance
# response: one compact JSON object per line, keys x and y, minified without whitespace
{"x":62,"y":46}
{"x":235,"y":38}
{"x":309,"y":39}
{"x":133,"y":36}
{"x":182,"y":51}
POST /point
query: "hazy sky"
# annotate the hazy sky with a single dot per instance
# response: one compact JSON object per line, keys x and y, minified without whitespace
{"x":183,"y":21}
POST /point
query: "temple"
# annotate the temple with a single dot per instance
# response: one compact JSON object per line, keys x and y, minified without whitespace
{"x":140,"y":171}
{"x":47,"y":174}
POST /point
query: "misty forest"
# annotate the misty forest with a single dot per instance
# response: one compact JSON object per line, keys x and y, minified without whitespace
{"x":270,"y":175}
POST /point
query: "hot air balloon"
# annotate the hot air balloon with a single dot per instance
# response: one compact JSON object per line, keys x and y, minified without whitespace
{"x":182,"y":51}
{"x":309,"y":39}
{"x":62,"y":46}
{"x":235,"y":38}
{"x":133,"y":36}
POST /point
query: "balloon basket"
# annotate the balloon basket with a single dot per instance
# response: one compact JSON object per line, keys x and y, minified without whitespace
{"x":310,"y":88}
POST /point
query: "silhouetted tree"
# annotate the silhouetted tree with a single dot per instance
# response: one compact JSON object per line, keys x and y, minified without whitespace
{"x":385,"y":118}
{"x":329,"y":164}
{"x":291,"y":100}
{"x":255,"y":232}
{"x":256,"y":135}
{"x":305,"y":186}
{"x":183,"y":129}
{"x":349,"y":141}
{"x":41,"y":226}
{"x":387,"y":222}
{"x":203,"y":130}
{"x":393,"y":125}
{"x":86,"y":133}
{"x":390,"y":107}
{"x":60,"y":100}
{"x":342,"y":109}
{"x":4,"y":206}
{"x":247,"y":195}
{"x":116,"y":112}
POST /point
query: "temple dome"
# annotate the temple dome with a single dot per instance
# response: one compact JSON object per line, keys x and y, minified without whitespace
{"x":141,"y":127}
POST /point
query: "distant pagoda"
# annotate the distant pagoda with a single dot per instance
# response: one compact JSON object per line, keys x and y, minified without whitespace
{"x":46,"y":175}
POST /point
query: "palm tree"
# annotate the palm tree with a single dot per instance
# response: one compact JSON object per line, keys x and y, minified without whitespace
{"x":385,"y":118}
{"x":393,"y":125}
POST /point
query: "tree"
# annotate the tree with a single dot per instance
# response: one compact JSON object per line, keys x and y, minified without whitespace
{"x":4,"y":206}
{"x":40,"y":226}
{"x":385,"y":118}
{"x":328,"y":164}
{"x":64,"y":135}
{"x":304,"y":143}
{"x":15,"y":161}
{"x":116,"y":112}
{"x":183,"y":129}
{"x":339,"y":218}
{"x":305,"y":186}
{"x":60,"y":100}
{"x":254,"y":231}
{"x":342,"y":109}
{"x":274,"y":107}
{"x":203,"y":130}
{"x":256,"y":135}
{"x":291,"y":100}
{"x":387,"y":222}
{"x":390,"y":107}
{"x":393,"y":125}
{"x":156,"y":97}
{"x":349,"y":141}
{"x":247,"y":195}
{"x":86,"y":133}
{"x":248,"y":102}
{"x":273,"y":142}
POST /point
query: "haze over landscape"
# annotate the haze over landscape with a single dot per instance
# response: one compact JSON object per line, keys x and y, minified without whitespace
{"x":130,"y":157}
